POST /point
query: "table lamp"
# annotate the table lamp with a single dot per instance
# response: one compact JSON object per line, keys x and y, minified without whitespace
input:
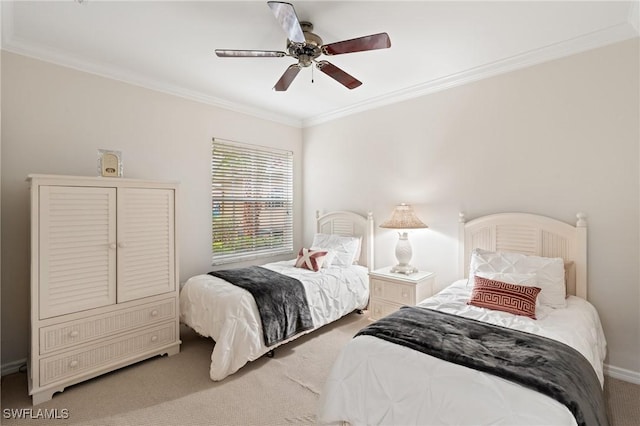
{"x":403,"y":217}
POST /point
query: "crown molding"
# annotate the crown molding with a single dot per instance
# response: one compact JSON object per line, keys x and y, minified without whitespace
{"x":14,"y":44}
{"x":610,"y":35}
{"x":113,"y":73}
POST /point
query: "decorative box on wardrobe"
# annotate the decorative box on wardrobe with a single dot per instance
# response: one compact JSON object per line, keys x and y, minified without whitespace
{"x":104,"y":277}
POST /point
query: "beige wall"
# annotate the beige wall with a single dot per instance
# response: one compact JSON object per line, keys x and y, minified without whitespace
{"x":553,"y":139}
{"x":54,"y":120}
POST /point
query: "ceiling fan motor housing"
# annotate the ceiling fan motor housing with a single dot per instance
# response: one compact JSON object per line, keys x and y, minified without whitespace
{"x":306,"y":52}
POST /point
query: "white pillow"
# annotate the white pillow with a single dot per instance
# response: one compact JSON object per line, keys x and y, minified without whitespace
{"x":358,"y":252}
{"x":345,"y":248}
{"x":549,"y":272}
{"x":527,"y":280}
{"x":328,"y":259}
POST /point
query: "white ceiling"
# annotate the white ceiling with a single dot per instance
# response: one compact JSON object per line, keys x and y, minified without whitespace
{"x":169,"y":46}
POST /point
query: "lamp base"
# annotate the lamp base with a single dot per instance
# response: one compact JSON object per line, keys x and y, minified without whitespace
{"x":404,"y":269}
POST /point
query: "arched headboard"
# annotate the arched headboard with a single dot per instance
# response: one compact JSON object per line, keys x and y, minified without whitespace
{"x":353,"y":225}
{"x":529,"y":234}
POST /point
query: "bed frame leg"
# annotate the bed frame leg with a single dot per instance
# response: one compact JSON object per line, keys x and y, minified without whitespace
{"x":270,"y":353}
{"x":359,"y":311}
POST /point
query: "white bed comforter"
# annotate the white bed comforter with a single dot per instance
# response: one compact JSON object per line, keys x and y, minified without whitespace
{"x":376,"y":382}
{"x":215,"y":308}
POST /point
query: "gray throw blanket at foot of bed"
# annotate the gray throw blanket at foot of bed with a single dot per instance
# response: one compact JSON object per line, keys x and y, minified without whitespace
{"x":539,"y":363}
{"x":281,"y":300}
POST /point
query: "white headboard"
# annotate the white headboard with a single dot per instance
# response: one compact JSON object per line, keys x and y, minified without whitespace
{"x":350,"y":224}
{"x":531,"y":235}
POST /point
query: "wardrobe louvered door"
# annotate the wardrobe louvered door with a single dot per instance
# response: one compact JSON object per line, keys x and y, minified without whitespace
{"x":145,"y":243}
{"x":104,"y":277}
{"x":77,"y":249}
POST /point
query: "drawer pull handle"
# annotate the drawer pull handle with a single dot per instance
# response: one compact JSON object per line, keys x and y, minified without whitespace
{"x":73,"y":364}
{"x":112,"y":246}
{"x":154,"y":313}
{"x":74,"y":333}
{"x":154,"y":338}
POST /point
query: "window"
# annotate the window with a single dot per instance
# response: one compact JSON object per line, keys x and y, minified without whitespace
{"x":251,"y":201}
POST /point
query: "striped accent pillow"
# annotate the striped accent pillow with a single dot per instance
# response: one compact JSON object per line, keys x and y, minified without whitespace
{"x":310,"y":259}
{"x":500,"y":296}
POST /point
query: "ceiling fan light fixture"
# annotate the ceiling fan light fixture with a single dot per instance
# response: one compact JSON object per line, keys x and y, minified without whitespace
{"x":305,"y":60}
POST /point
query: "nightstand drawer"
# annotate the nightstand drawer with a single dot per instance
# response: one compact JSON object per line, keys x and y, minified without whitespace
{"x":393,"y":292}
{"x":379,"y":309}
{"x":389,"y":291}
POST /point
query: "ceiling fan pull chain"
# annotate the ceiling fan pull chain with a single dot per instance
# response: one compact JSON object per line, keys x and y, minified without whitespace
{"x":311,"y":75}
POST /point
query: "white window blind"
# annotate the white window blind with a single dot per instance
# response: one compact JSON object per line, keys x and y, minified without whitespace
{"x":251,"y":201}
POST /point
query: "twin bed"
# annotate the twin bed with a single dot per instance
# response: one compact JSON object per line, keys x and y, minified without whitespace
{"x":375,"y":381}
{"x":229,"y":314}
{"x":379,"y":380}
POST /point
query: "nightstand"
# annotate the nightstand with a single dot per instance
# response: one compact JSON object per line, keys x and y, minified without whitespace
{"x":389,"y":291}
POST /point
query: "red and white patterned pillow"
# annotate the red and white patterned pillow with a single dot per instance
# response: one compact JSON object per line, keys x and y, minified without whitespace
{"x":310,"y":259}
{"x":500,"y":296}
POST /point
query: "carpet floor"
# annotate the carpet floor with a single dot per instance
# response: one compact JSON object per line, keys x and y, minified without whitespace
{"x":176,"y":390}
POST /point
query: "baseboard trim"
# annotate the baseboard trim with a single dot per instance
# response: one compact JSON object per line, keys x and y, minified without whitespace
{"x":13,"y":366}
{"x":622,"y":374}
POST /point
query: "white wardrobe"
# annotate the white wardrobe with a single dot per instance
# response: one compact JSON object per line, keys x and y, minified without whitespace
{"x":104,"y":277}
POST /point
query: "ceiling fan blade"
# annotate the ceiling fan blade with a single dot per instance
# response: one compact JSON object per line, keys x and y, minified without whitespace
{"x":234,"y":53}
{"x":370,"y":42}
{"x":286,"y":16}
{"x":347,"y":80}
{"x":287,"y":78}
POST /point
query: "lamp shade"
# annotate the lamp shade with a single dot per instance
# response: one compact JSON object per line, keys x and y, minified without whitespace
{"x":403,"y":217}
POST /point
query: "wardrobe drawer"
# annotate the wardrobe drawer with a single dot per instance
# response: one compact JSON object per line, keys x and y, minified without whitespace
{"x":105,"y":354}
{"x":73,"y":333}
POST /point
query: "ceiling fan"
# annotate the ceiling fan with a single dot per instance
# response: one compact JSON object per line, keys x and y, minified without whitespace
{"x":306,"y":47}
